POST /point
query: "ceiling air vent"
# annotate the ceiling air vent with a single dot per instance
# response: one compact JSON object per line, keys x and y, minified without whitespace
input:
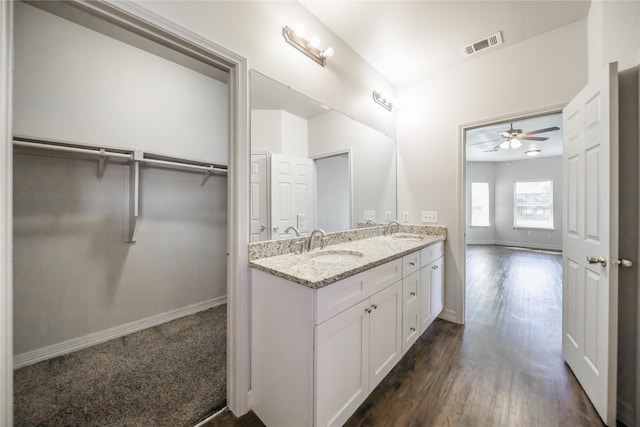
{"x":486,"y":43}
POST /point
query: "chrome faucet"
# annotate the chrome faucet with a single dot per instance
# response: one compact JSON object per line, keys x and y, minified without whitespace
{"x":291,"y":227}
{"x":313,"y":234}
{"x":387,"y":230}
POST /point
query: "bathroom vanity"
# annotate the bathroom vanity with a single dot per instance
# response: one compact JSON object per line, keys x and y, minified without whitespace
{"x":329,"y":325}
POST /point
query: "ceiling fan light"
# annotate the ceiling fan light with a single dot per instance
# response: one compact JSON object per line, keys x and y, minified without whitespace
{"x":532,"y":153}
{"x":505,"y":145}
{"x":515,"y":143}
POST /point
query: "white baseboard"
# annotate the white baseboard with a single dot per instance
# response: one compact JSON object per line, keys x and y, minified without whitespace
{"x":529,"y":245}
{"x":75,"y":344}
{"x":625,"y":413}
{"x":481,"y":242}
{"x":449,"y":315}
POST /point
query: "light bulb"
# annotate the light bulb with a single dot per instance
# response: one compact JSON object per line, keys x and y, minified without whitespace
{"x":532,"y":153}
{"x":515,"y":143}
{"x":505,"y":145}
{"x":314,"y":42}
{"x":328,"y":52}
{"x":299,"y":31}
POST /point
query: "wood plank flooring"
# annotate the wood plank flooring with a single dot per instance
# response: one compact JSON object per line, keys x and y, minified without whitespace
{"x":503,"y":368}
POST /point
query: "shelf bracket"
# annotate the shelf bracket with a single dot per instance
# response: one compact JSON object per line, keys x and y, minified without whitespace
{"x":102,"y":164}
{"x":134,"y":195}
{"x":206,"y":175}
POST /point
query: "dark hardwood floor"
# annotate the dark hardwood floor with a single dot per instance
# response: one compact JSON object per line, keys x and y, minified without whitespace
{"x":503,"y":368}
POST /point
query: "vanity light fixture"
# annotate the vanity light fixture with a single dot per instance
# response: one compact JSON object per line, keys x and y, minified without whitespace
{"x":380,"y":99}
{"x":308,"y":46}
{"x":532,"y":153}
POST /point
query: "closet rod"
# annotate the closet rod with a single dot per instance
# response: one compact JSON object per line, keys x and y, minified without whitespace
{"x":103,"y":153}
{"x":97,"y":152}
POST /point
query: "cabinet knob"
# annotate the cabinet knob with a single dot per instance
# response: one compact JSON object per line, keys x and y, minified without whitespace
{"x":412,"y":329}
{"x":413,"y":294}
{"x":412,"y":264}
{"x":374,"y":306}
{"x":368,"y":309}
{"x":435,"y":267}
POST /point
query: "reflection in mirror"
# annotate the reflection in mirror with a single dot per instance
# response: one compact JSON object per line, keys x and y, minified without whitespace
{"x":312,"y":167}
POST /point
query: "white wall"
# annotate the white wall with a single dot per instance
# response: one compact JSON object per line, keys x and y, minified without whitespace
{"x":483,"y":87}
{"x":279,"y":132}
{"x":253,"y":29}
{"x":74,"y":84}
{"x":614,"y":34}
{"x":73,"y":274}
{"x":373,"y":161}
{"x":481,"y":172}
{"x":505,"y":175}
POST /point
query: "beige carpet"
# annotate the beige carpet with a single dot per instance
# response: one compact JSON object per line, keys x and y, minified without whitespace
{"x":169,"y":375}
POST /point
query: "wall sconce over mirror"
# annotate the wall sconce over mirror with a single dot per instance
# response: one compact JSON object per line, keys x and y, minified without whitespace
{"x":381,"y":100}
{"x":309,"y":46}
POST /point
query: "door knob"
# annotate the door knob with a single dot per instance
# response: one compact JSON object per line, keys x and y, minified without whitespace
{"x":593,"y":260}
{"x":625,"y":263}
{"x":262,"y":227}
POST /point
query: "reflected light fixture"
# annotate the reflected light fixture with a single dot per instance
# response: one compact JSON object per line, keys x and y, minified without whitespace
{"x":513,"y":143}
{"x":532,"y":153}
{"x":309,"y":46}
{"x":381,"y":100}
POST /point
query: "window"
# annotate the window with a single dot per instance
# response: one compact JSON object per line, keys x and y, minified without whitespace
{"x":533,"y":204}
{"x":480,"y":204}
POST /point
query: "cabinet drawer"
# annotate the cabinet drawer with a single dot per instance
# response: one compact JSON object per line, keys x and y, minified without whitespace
{"x":410,"y":263}
{"x":385,"y":275}
{"x":337,"y":297}
{"x":410,"y":326}
{"x":410,"y":289}
{"x":431,"y":253}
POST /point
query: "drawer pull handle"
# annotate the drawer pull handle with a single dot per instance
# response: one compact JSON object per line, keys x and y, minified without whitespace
{"x":368,"y":309}
{"x":412,"y":329}
{"x":412,"y":264}
{"x":413,"y":294}
{"x":435,"y":267}
{"x":374,"y":306}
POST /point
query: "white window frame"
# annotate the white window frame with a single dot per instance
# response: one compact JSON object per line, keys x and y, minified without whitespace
{"x":547,"y":226}
{"x":488,"y":206}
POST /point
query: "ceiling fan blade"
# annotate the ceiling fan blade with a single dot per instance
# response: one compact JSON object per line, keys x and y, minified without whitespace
{"x":533,"y":132}
{"x":533,"y":138}
{"x":483,"y":142}
{"x":489,"y":151}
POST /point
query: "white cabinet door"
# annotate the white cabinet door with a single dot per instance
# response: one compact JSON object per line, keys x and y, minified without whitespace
{"x":342,"y":365}
{"x":410,"y":310}
{"x":386,"y":332}
{"x":437,"y":275}
{"x":426,"y":294}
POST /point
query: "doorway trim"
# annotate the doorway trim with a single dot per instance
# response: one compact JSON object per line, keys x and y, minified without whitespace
{"x":462,"y":192}
{"x":139,"y":20}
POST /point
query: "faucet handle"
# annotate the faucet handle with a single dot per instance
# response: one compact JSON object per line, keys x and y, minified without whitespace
{"x":323,"y":241}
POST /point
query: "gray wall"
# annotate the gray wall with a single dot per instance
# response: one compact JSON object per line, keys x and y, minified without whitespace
{"x":501,"y":192}
{"x":73,"y":274}
{"x":333,"y":195}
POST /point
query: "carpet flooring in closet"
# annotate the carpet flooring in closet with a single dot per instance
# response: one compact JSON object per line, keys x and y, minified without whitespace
{"x":173,"y":374}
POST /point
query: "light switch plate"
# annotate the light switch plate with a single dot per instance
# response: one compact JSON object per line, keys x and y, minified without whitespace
{"x":405,"y":216}
{"x":387,"y":215}
{"x":370,"y":215}
{"x":430,"y":216}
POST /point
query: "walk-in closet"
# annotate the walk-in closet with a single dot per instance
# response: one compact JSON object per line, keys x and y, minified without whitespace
{"x":120,"y":225}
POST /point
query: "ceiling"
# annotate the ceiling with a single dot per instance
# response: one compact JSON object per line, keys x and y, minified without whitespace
{"x":406,"y":40}
{"x":481,"y":139}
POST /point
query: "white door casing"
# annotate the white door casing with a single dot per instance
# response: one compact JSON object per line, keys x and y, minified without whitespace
{"x":590,"y":229}
{"x":259,"y":200}
{"x":292,"y":195}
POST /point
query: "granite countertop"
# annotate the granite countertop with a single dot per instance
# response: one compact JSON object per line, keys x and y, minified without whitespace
{"x":303,"y":269}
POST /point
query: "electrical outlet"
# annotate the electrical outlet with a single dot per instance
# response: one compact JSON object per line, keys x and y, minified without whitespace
{"x":529,"y":233}
{"x":430,"y":216}
{"x":387,"y":215}
{"x":405,"y":216}
{"x":370,"y":215}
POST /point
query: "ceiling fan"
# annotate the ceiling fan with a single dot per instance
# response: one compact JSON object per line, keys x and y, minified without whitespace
{"x":511,"y":138}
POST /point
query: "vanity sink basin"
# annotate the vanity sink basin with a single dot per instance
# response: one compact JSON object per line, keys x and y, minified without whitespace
{"x":336,"y":257}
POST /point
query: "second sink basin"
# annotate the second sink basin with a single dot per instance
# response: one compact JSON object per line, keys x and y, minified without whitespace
{"x":336,"y":256}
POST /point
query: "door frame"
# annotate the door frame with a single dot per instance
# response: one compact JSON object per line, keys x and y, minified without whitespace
{"x":139,"y":20}
{"x":462,"y":191}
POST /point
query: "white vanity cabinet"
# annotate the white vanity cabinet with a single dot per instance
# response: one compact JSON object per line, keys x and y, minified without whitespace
{"x":317,"y":354}
{"x":431,"y":284}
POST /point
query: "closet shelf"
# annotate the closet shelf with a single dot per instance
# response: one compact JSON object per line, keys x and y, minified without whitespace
{"x":135,"y":158}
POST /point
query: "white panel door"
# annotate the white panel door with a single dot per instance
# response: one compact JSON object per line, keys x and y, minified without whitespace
{"x":259,"y":206}
{"x":590,"y":240}
{"x":342,"y":365}
{"x":292,"y":195}
{"x":386,"y":332}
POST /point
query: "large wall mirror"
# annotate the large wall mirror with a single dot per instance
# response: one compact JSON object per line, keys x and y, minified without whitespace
{"x":312,"y":167}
